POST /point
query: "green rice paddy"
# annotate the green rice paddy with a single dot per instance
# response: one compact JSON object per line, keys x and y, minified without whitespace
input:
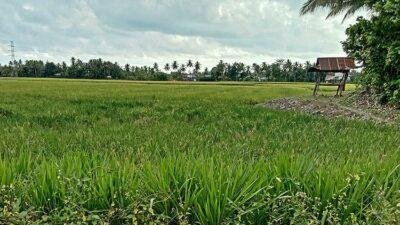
{"x":117,"y":152}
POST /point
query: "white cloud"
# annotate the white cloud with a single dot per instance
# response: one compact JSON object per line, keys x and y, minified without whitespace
{"x":143,"y":31}
{"x":28,"y":7}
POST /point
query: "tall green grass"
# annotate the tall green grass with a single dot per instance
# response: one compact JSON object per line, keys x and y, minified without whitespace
{"x":126,"y":152}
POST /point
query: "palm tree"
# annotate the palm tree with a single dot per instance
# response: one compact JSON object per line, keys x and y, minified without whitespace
{"x":127,"y":67}
{"x":248,"y":71}
{"x":197,"y":67}
{"x":167,"y":67}
{"x":73,"y":60}
{"x":335,"y":6}
{"x":189,"y":65}
{"x":206,"y":73}
{"x":256,"y":69}
{"x":155,"y":67}
{"x":182,"y":69}
{"x":175,"y":65}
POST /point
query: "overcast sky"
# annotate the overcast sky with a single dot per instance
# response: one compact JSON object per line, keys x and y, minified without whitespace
{"x":141,"y":32}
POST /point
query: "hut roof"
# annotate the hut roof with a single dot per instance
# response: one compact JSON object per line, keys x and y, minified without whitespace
{"x":334,"y":64}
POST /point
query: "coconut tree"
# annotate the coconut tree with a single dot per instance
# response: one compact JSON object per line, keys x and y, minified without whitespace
{"x":182,"y":69}
{"x":155,"y":67}
{"x":167,"y":67}
{"x":189,"y":65}
{"x":197,"y":67}
{"x":256,"y":69}
{"x":335,"y":6}
{"x":127,"y":67}
{"x":175,"y":65}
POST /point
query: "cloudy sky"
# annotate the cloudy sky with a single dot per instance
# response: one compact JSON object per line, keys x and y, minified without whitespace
{"x":141,"y":32}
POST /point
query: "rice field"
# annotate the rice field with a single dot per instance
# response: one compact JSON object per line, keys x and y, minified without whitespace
{"x":118,"y":152}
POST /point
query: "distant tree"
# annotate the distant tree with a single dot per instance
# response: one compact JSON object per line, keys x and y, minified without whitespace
{"x":127,"y":67}
{"x":64,"y":69}
{"x":219,"y":71}
{"x":175,"y":65}
{"x":247,"y":72}
{"x":167,"y":67}
{"x":96,"y":69}
{"x":257,"y":70}
{"x":189,"y":64}
{"x":50,"y":69}
{"x":182,"y":68}
{"x":287,"y":69}
{"x":155,"y":67}
{"x":235,"y":71}
{"x":266,"y":71}
{"x":197,"y":66}
{"x":275,"y":71}
{"x":33,"y":68}
{"x":116,"y":71}
{"x":77,"y":69}
{"x":73,"y":61}
{"x":206,"y":72}
{"x":6,"y":71}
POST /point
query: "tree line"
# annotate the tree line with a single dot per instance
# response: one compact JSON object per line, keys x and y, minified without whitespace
{"x":279,"y":71}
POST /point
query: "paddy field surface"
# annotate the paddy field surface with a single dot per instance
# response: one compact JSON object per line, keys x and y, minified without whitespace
{"x":120,"y":152}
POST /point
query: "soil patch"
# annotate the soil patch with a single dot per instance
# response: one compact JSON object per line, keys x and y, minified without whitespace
{"x":352,"y":108}
{"x":367,"y":102}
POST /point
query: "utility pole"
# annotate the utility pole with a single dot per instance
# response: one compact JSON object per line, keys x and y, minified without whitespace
{"x":12,"y":54}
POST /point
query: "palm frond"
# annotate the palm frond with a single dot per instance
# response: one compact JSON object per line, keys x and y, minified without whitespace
{"x":335,"y":7}
{"x":311,"y":5}
{"x":352,"y":10}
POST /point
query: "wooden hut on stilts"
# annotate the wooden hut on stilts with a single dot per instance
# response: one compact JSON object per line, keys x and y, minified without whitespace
{"x":332,"y":65}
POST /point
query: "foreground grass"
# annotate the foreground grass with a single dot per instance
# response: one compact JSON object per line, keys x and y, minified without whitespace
{"x":127,"y":152}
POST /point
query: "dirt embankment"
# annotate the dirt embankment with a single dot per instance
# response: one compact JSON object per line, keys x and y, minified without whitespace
{"x":354,"y":106}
